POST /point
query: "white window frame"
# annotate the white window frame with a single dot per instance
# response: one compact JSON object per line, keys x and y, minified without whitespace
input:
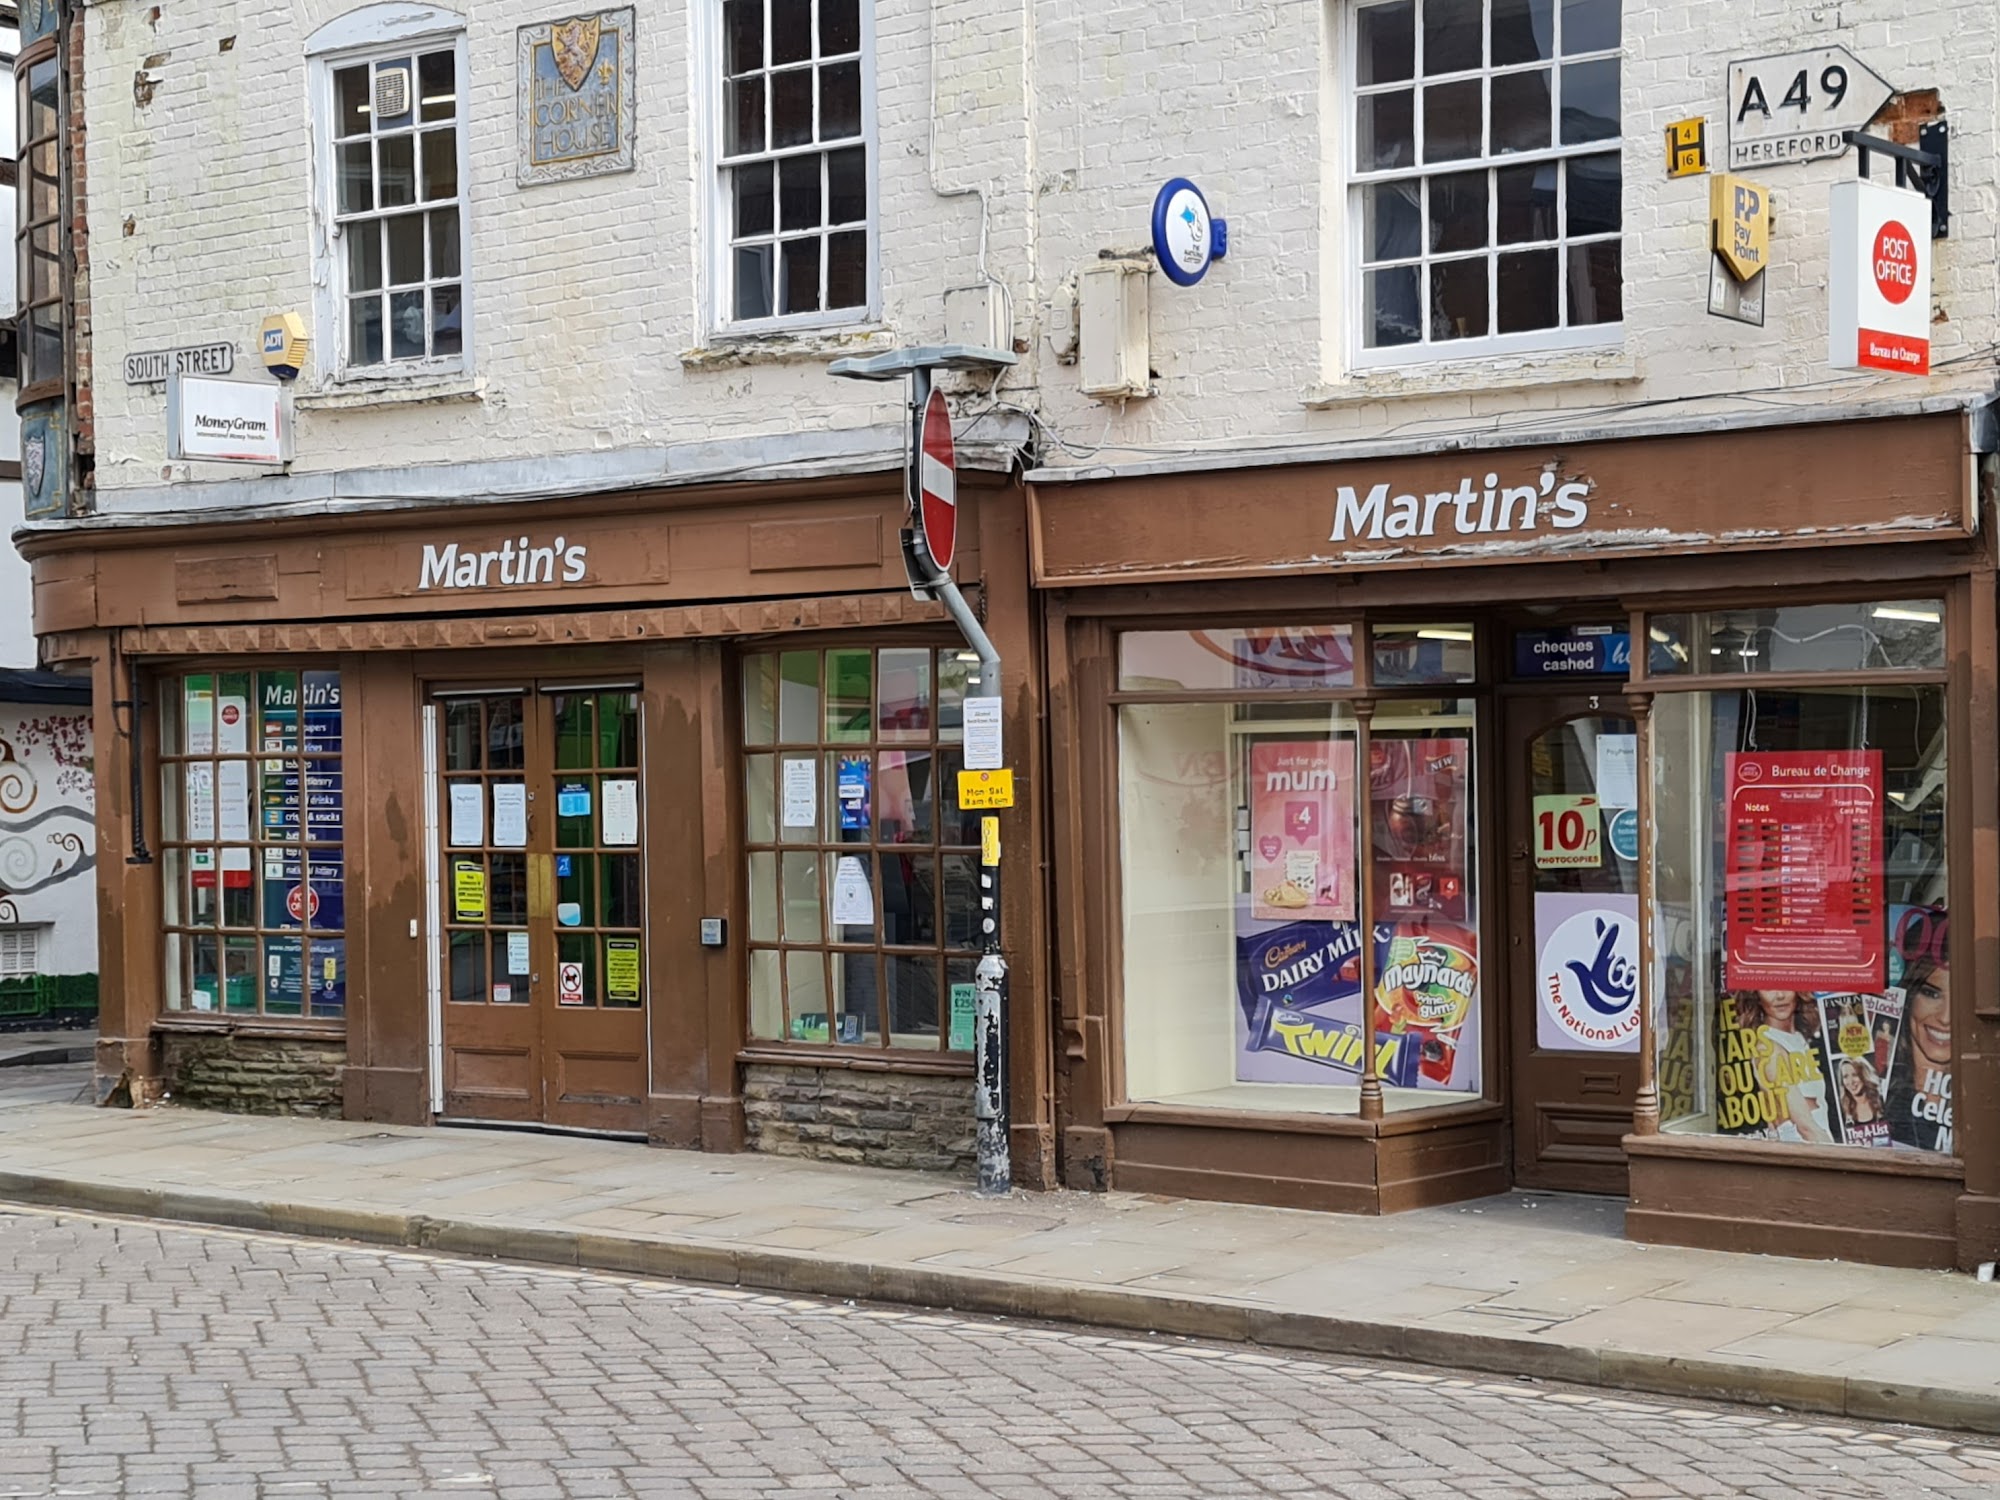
{"x":377,"y":33}
{"x":718,"y":294}
{"x":1353,"y":277}
{"x":18,"y":941}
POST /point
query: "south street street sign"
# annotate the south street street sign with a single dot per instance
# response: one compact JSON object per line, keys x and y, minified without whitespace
{"x":195,"y":359}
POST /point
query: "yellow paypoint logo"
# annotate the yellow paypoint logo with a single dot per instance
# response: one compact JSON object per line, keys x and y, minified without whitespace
{"x":1739,"y":215}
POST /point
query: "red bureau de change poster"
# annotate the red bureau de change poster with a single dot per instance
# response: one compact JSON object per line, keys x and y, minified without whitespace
{"x":1803,"y":871}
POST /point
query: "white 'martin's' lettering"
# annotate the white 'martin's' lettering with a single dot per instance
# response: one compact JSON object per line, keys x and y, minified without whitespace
{"x":448,"y":567}
{"x":1473,"y":510}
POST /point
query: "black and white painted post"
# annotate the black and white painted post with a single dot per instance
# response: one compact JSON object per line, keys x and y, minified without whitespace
{"x":930,"y":536}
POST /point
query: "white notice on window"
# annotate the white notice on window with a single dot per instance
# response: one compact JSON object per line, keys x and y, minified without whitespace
{"x":234,"y":778}
{"x":982,"y":735}
{"x":233,"y":726}
{"x":620,"y":812}
{"x":201,"y":800}
{"x":801,"y":794}
{"x":510,"y":815}
{"x":853,"y":902}
{"x":1618,"y":770}
{"x":468,"y":814}
{"x":517,"y":953}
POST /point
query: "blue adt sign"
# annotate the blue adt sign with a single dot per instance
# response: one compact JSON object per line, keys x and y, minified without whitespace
{"x":1573,"y":651}
{"x":1186,"y":236}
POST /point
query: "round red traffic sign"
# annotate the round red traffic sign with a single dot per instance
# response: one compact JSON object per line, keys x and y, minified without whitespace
{"x":1895,"y":263}
{"x":937,"y":483}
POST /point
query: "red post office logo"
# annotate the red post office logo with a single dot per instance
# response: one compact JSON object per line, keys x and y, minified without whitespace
{"x":1895,"y":263}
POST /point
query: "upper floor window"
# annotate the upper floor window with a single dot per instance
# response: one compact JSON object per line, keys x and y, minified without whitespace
{"x":394,"y":162}
{"x":794,"y":184}
{"x":1486,"y":181}
{"x":38,"y":236}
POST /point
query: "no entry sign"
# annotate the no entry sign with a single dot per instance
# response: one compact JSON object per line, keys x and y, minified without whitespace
{"x":937,"y":483}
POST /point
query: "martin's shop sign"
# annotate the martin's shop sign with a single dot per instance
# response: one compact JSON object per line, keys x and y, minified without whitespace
{"x":1779,"y":485}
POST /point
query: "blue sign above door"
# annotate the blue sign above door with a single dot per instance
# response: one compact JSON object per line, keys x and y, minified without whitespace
{"x":1573,"y":651}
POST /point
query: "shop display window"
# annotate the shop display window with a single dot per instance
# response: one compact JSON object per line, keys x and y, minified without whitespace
{"x":863,"y":870}
{"x":1802,"y":958}
{"x":252,"y":815}
{"x":1897,"y":634}
{"x":1242,"y":850}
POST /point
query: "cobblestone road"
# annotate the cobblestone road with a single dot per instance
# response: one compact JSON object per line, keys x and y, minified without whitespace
{"x":151,"y":1360}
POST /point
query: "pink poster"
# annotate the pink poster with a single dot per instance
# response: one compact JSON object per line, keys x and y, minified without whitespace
{"x":1302,"y":830}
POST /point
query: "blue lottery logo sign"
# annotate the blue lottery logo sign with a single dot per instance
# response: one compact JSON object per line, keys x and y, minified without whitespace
{"x":1588,"y":977}
{"x":1187,"y":238}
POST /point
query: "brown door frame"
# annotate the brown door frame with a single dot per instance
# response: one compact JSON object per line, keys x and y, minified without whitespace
{"x":535,"y":1028}
{"x":1528,"y":711}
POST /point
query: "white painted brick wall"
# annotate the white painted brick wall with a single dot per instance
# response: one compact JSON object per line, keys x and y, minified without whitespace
{"x":1067,"y":117}
{"x":585,"y":293}
{"x":1244,"y":98}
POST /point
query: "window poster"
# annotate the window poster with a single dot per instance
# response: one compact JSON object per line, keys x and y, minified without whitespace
{"x":621,"y":971}
{"x":468,"y":815}
{"x":1858,"y":1041}
{"x":1418,"y":791}
{"x":510,"y":814}
{"x":801,"y":792}
{"x":1302,"y":830}
{"x":964,"y":1014}
{"x":1802,"y":872}
{"x":1918,"y":1091}
{"x":468,"y":891}
{"x":319,"y":898}
{"x":1300,"y":1005}
{"x":1587,"y":971}
{"x":851,"y":790}
{"x":1770,"y":1070}
{"x":620,"y":817}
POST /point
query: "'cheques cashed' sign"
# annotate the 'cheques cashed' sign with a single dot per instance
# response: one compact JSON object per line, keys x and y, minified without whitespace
{"x":1806,"y":484}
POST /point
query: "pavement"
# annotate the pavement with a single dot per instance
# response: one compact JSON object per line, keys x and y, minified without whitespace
{"x":1533,"y":1285}
{"x":181,"y":1362}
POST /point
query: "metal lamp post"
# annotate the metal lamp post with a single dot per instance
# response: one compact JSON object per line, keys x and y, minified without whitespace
{"x":928,"y":580}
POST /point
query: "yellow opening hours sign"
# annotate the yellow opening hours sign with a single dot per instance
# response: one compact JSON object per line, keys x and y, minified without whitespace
{"x":984,"y":789}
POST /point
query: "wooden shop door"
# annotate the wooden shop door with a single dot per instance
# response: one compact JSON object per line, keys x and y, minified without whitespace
{"x":1573,"y":939}
{"x":540,"y":900}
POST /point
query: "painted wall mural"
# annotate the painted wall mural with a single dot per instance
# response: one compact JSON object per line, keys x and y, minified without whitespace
{"x":48,"y":851}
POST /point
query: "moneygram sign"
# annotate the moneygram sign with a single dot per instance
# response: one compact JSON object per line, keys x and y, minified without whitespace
{"x":1879,"y":279}
{"x":227,"y":421}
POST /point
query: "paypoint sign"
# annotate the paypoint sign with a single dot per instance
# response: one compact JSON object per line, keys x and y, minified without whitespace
{"x":1879,"y":279}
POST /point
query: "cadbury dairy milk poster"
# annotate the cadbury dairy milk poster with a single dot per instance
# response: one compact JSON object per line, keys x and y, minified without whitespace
{"x":1299,"y":1017}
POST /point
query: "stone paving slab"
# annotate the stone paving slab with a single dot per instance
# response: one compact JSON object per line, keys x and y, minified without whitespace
{"x":1529,"y":1284}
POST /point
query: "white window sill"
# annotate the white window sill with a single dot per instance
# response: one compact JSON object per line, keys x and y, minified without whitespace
{"x":369,"y":393}
{"x":729,"y":351}
{"x":1496,"y":372}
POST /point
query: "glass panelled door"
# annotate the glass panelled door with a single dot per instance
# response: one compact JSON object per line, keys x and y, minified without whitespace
{"x":594,"y":1029}
{"x":541,"y":906}
{"x":1573,"y":904}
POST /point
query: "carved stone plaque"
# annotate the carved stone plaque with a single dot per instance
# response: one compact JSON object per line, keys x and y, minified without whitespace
{"x":575,"y":97}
